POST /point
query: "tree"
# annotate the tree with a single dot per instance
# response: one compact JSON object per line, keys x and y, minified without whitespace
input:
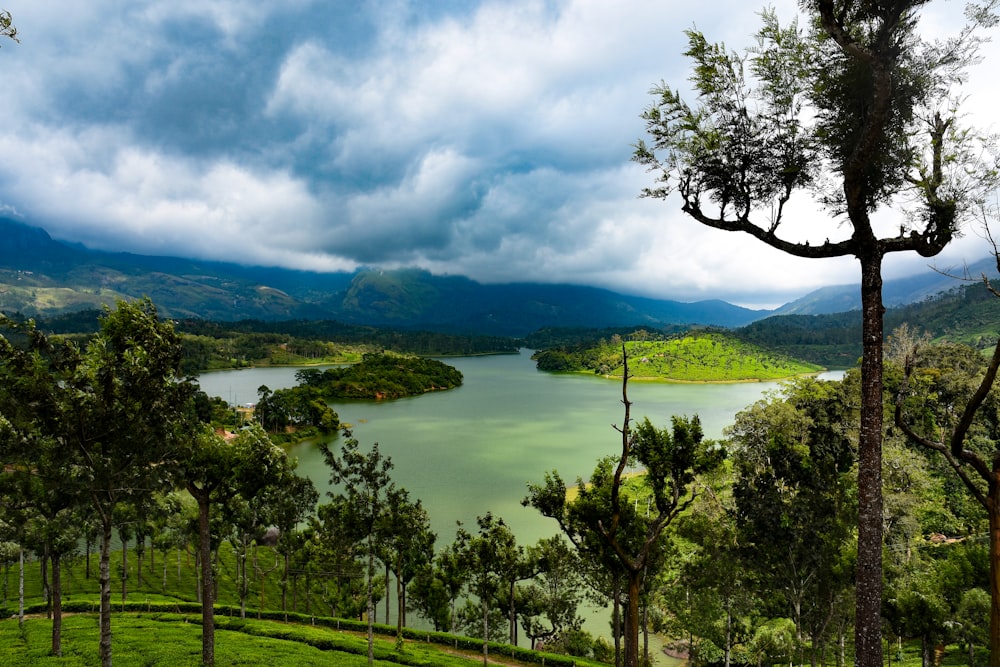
{"x":366,"y":484}
{"x":7,"y":28}
{"x":793,"y":457}
{"x":37,"y":478}
{"x":488,"y":557}
{"x":216,"y":471}
{"x":127,"y":405}
{"x":946,"y":404}
{"x":408,"y":545}
{"x":117,"y":413}
{"x":859,"y":111}
{"x":554,"y":594}
{"x":672,"y":460}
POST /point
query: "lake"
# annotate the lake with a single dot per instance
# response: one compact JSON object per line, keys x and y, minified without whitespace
{"x":472,"y":450}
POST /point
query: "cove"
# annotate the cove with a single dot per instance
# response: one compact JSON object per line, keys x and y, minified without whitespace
{"x":473,"y":450}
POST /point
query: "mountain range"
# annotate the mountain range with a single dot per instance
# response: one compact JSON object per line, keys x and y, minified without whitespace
{"x":43,"y":276}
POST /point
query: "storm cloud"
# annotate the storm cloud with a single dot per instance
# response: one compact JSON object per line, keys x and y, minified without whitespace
{"x":489,"y":139}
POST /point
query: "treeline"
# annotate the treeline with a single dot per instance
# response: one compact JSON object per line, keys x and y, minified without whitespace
{"x":212,"y":345}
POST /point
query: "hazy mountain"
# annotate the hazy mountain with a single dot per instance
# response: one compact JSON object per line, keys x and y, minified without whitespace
{"x":42,"y":276}
{"x":898,"y":292}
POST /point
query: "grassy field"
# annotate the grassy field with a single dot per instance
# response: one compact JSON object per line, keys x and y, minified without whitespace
{"x":708,"y":358}
{"x":174,"y":640}
{"x":159,"y":623}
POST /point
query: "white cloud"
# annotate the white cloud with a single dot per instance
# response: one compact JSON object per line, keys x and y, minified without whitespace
{"x":488,"y":139}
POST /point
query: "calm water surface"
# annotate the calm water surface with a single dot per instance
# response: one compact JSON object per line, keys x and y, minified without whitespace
{"x":473,"y":450}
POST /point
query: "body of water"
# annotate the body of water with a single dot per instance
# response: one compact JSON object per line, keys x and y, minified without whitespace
{"x":474,"y":449}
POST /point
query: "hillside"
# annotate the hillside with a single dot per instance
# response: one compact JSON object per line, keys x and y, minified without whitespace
{"x":967,"y":314}
{"x":896,"y":293}
{"x":696,"y":356}
{"x":42,"y":276}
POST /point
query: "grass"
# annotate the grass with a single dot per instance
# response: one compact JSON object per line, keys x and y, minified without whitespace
{"x":160,"y":625}
{"x":709,"y":357}
{"x":170,"y":640}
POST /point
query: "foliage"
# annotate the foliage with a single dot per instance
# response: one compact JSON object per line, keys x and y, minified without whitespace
{"x":7,"y":28}
{"x":382,"y":376}
{"x":860,"y":113}
{"x":695,"y":356}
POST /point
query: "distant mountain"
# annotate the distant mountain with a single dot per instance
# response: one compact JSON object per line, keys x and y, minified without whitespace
{"x":42,"y":276}
{"x":898,"y":292}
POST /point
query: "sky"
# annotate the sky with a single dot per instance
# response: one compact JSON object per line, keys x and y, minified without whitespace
{"x":490,"y":139}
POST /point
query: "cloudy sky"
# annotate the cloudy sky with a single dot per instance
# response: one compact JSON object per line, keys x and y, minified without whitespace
{"x":485,"y":138}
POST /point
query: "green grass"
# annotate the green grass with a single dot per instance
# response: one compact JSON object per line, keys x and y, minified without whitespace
{"x":170,"y":640}
{"x":160,"y":625}
{"x":709,"y":357}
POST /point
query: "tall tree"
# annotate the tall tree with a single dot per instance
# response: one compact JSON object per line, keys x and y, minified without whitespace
{"x":554,"y":594}
{"x":488,"y":556}
{"x":858,"y":110}
{"x":37,"y":478}
{"x":947,"y":403}
{"x":216,"y":471}
{"x":794,"y":497}
{"x":366,"y":483}
{"x":672,"y":459}
{"x":126,"y":421}
{"x":407,"y":543}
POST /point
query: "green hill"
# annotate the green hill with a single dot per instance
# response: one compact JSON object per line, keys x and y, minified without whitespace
{"x":697,"y":356}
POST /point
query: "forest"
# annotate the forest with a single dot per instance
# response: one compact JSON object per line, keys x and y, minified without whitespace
{"x":739,"y":549}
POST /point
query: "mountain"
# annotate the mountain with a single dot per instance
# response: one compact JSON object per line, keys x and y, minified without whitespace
{"x":897,"y":292}
{"x":42,"y":276}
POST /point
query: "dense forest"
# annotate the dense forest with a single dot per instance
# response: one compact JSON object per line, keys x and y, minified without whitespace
{"x":382,"y":376}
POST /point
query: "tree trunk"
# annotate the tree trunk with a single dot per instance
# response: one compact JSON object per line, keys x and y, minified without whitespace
{"x":43,"y":564}
{"x":371,"y":602}
{"x":284,"y":588}
{"x":486,"y":633}
{"x":868,"y":618}
{"x":20,"y":588}
{"x":56,"y":605}
{"x":632,"y":620}
{"x":993,"y":507}
{"x":104,"y":577}
{"x":400,"y":606}
{"x":124,"y":542}
{"x":207,"y":589}
{"x":616,"y":617}
{"x":387,"y":585}
{"x":512,"y":617}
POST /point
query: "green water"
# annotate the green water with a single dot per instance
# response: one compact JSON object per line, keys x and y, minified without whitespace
{"x":473,"y":449}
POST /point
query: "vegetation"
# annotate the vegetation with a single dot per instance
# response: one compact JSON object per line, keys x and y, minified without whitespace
{"x":382,"y":376}
{"x":606,"y":525}
{"x":697,"y":356}
{"x":857,"y":111}
{"x":747,"y":560}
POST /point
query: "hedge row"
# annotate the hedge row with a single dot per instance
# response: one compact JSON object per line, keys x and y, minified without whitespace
{"x":228,"y":616}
